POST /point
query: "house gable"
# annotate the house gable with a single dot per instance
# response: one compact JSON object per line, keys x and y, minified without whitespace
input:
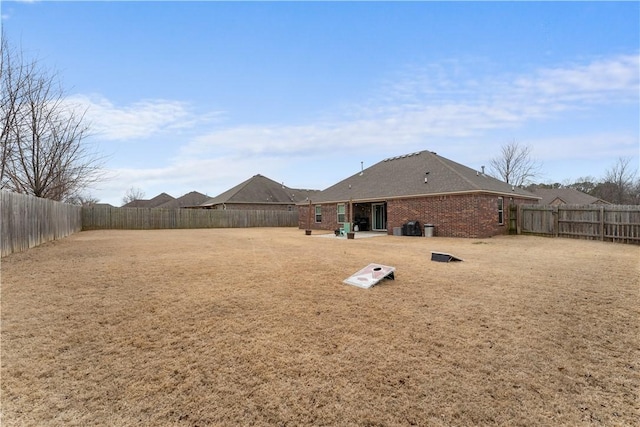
{"x":417,"y":174}
{"x":565,"y":196}
{"x":258,"y":192}
{"x":193,"y":198}
{"x":155,"y":202}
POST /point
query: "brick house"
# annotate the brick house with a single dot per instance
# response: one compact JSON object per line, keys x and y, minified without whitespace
{"x":457,"y":200}
{"x":566,"y":196}
{"x":188,"y":200}
{"x":155,"y":202}
{"x":259,"y":193}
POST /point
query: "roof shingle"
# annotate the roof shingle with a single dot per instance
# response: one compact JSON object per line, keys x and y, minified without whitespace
{"x":569,"y":196}
{"x":151,"y":203}
{"x":423,"y":173}
{"x":188,"y":200}
{"x":260,"y":190}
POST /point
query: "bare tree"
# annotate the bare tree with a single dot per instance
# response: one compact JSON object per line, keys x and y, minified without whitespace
{"x":43,"y":138}
{"x":634,"y":197}
{"x":619,"y":184}
{"x":514,"y":165}
{"x":585,"y":184}
{"x":132,"y":194}
{"x":14,"y":73}
{"x":83,"y":200}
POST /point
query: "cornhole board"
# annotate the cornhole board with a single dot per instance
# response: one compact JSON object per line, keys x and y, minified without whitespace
{"x":371,"y":275}
{"x":443,"y":257}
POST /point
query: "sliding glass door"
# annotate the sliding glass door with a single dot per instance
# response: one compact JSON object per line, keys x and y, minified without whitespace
{"x":379,"y":216}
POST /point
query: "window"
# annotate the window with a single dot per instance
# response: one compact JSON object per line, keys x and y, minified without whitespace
{"x":341,"y":213}
{"x":318,"y":213}
{"x":500,"y":210}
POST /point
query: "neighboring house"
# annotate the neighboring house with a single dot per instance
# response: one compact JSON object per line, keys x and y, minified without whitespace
{"x":187,"y":201}
{"x":259,"y":193}
{"x":457,"y":200}
{"x":566,"y":196}
{"x":160,"y":199}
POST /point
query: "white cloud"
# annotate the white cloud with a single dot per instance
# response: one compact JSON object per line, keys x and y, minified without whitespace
{"x":588,"y":146}
{"x":142,"y":119}
{"x":593,"y":82}
{"x":423,"y":107}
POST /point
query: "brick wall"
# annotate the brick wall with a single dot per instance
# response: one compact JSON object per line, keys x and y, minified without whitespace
{"x":468,"y":215}
{"x":329,"y":217}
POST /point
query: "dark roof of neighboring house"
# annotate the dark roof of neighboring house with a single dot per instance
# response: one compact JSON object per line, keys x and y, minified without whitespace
{"x":567,"y":196}
{"x":260,"y":189}
{"x":404,"y":176}
{"x":188,"y":200}
{"x":151,"y":203}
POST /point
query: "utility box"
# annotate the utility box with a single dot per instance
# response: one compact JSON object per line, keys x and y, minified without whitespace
{"x":397,"y":231}
{"x":429,"y":230}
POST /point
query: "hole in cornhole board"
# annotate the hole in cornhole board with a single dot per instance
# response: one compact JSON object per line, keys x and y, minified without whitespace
{"x":443,"y":257}
{"x":371,"y":275}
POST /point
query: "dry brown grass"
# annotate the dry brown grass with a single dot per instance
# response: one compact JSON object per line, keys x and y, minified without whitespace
{"x":254,"y":327}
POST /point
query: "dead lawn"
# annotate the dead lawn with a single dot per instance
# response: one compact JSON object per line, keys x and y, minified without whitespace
{"x":254,"y":327}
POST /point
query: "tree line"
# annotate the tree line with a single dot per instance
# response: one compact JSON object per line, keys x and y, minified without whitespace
{"x":620,"y":184}
{"x":515,"y":165}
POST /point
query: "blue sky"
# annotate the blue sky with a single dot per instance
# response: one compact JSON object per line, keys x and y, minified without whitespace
{"x":201,"y":96}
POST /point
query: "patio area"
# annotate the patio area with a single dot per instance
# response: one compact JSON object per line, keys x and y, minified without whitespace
{"x":357,"y":235}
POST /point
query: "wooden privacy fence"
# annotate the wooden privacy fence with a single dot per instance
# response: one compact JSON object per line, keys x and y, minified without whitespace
{"x":27,"y":221}
{"x":612,"y":223}
{"x":106,"y":218}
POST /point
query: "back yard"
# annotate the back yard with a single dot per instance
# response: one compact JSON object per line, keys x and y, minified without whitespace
{"x":254,"y":327}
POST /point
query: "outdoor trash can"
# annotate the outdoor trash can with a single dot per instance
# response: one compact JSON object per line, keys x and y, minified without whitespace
{"x":428,"y":230}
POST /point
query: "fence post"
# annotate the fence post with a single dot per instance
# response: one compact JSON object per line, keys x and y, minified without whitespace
{"x":555,"y":212}
{"x":513,"y":219}
{"x":602,"y":223}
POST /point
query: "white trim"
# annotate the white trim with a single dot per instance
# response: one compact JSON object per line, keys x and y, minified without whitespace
{"x":344,"y":214}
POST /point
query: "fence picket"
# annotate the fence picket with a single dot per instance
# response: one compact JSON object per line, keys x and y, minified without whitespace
{"x":106,"y":217}
{"x":27,"y":221}
{"x":616,"y":223}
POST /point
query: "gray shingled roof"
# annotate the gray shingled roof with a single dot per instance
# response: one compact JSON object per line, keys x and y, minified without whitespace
{"x":260,"y":189}
{"x":188,"y":200}
{"x":404,"y":176}
{"x":151,"y":203}
{"x":568,"y":196}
